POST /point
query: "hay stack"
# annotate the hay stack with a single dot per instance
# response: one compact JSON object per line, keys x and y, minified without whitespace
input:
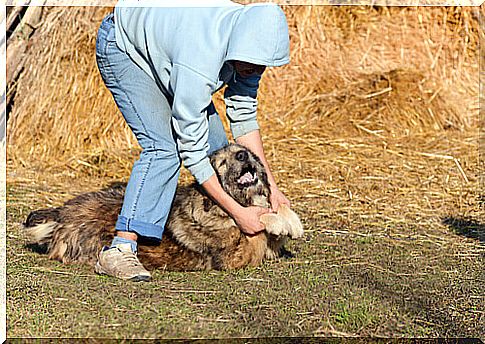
{"x":398,"y":70}
{"x":355,"y":71}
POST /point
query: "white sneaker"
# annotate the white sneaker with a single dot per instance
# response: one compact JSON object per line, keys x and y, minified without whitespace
{"x":121,"y":262}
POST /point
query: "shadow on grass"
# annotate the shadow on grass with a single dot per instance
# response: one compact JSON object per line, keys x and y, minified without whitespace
{"x":466,"y":227}
{"x":40,"y":249}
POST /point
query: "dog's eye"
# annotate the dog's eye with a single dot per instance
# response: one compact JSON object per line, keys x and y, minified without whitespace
{"x":242,"y":156}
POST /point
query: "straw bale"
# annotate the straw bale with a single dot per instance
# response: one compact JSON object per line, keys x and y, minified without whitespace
{"x":356,"y":72}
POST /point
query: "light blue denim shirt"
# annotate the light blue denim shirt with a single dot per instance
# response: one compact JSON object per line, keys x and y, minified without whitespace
{"x":186,"y":50}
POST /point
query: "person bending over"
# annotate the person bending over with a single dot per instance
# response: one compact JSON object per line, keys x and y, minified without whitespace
{"x":162,"y":66}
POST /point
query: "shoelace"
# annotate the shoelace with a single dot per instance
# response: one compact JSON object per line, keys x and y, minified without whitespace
{"x":130,"y":257}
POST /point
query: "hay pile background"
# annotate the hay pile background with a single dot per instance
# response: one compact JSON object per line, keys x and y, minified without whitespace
{"x":355,"y":71}
{"x":372,"y":132}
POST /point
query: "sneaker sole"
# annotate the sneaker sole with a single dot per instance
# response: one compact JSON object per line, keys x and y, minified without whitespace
{"x":140,"y":278}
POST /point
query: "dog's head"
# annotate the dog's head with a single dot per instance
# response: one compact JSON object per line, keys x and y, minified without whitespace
{"x":241,"y":175}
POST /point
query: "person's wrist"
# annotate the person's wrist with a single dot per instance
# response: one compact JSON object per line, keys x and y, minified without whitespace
{"x":232,"y":208}
{"x":273,"y":187}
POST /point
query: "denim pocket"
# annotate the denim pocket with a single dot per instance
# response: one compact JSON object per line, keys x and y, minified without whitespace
{"x":104,"y":40}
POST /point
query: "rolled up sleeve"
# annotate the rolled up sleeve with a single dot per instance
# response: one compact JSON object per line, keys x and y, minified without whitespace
{"x":241,"y":104}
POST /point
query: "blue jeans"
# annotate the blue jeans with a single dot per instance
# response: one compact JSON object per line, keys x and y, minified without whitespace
{"x":147,"y":110}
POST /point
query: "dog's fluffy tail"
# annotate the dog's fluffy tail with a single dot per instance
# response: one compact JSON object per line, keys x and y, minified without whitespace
{"x":40,"y":225}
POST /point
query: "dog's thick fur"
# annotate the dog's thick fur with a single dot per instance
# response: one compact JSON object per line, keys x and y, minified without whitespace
{"x":198,"y":235}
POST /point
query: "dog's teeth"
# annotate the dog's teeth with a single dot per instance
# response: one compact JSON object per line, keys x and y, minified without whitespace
{"x":246,"y":178}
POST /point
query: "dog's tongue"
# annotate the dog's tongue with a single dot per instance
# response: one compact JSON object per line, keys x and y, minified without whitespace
{"x":246,"y":178}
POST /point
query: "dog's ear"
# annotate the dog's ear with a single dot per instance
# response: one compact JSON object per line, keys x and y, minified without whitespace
{"x":208,"y":204}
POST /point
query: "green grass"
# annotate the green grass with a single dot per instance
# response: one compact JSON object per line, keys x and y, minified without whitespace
{"x":369,"y":284}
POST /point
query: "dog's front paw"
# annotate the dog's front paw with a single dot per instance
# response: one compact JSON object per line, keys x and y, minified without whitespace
{"x":295,"y":227}
{"x":270,"y":254}
{"x":275,"y":224}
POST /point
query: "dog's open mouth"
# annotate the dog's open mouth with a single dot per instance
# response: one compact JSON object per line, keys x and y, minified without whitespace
{"x":248,"y":177}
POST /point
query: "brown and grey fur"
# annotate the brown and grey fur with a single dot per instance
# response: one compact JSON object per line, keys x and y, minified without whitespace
{"x":198,"y":234}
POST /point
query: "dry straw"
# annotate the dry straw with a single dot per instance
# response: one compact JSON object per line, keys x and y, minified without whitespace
{"x":357,"y":72}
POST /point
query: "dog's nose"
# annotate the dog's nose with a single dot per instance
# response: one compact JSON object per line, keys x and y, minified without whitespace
{"x":242,"y":156}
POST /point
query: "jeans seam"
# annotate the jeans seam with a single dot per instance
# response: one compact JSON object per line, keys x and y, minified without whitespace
{"x":140,"y":187}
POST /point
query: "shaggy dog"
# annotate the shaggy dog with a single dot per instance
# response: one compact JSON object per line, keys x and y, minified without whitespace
{"x":198,"y":235}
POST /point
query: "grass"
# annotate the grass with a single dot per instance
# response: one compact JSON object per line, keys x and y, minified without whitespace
{"x":363,"y":273}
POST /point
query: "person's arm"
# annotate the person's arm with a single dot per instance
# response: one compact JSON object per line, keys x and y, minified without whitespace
{"x":252,"y":140}
{"x":247,"y":218}
{"x":191,"y":96}
{"x":241,"y":107}
{"x":191,"y":128}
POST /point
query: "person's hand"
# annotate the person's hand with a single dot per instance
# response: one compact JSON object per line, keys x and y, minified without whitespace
{"x":247,"y":219}
{"x":277,"y":198}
